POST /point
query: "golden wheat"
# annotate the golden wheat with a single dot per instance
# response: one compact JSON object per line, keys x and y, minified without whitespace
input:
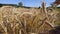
{"x":20,"y":20}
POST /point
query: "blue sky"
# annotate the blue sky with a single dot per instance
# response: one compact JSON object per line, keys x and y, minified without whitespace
{"x":30,"y":3}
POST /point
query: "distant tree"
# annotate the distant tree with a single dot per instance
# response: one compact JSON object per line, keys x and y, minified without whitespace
{"x":0,"y":5}
{"x":39,"y":7}
{"x":20,"y":4}
{"x":53,"y":6}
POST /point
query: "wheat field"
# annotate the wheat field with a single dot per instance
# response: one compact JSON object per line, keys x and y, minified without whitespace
{"x":21,"y":20}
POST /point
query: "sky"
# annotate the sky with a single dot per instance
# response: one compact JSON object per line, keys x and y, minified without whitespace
{"x":29,"y":3}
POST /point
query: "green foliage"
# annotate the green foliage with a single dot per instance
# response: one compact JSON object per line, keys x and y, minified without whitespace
{"x":58,"y":16}
{"x":20,"y":4}
{"x":58,"y":9}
